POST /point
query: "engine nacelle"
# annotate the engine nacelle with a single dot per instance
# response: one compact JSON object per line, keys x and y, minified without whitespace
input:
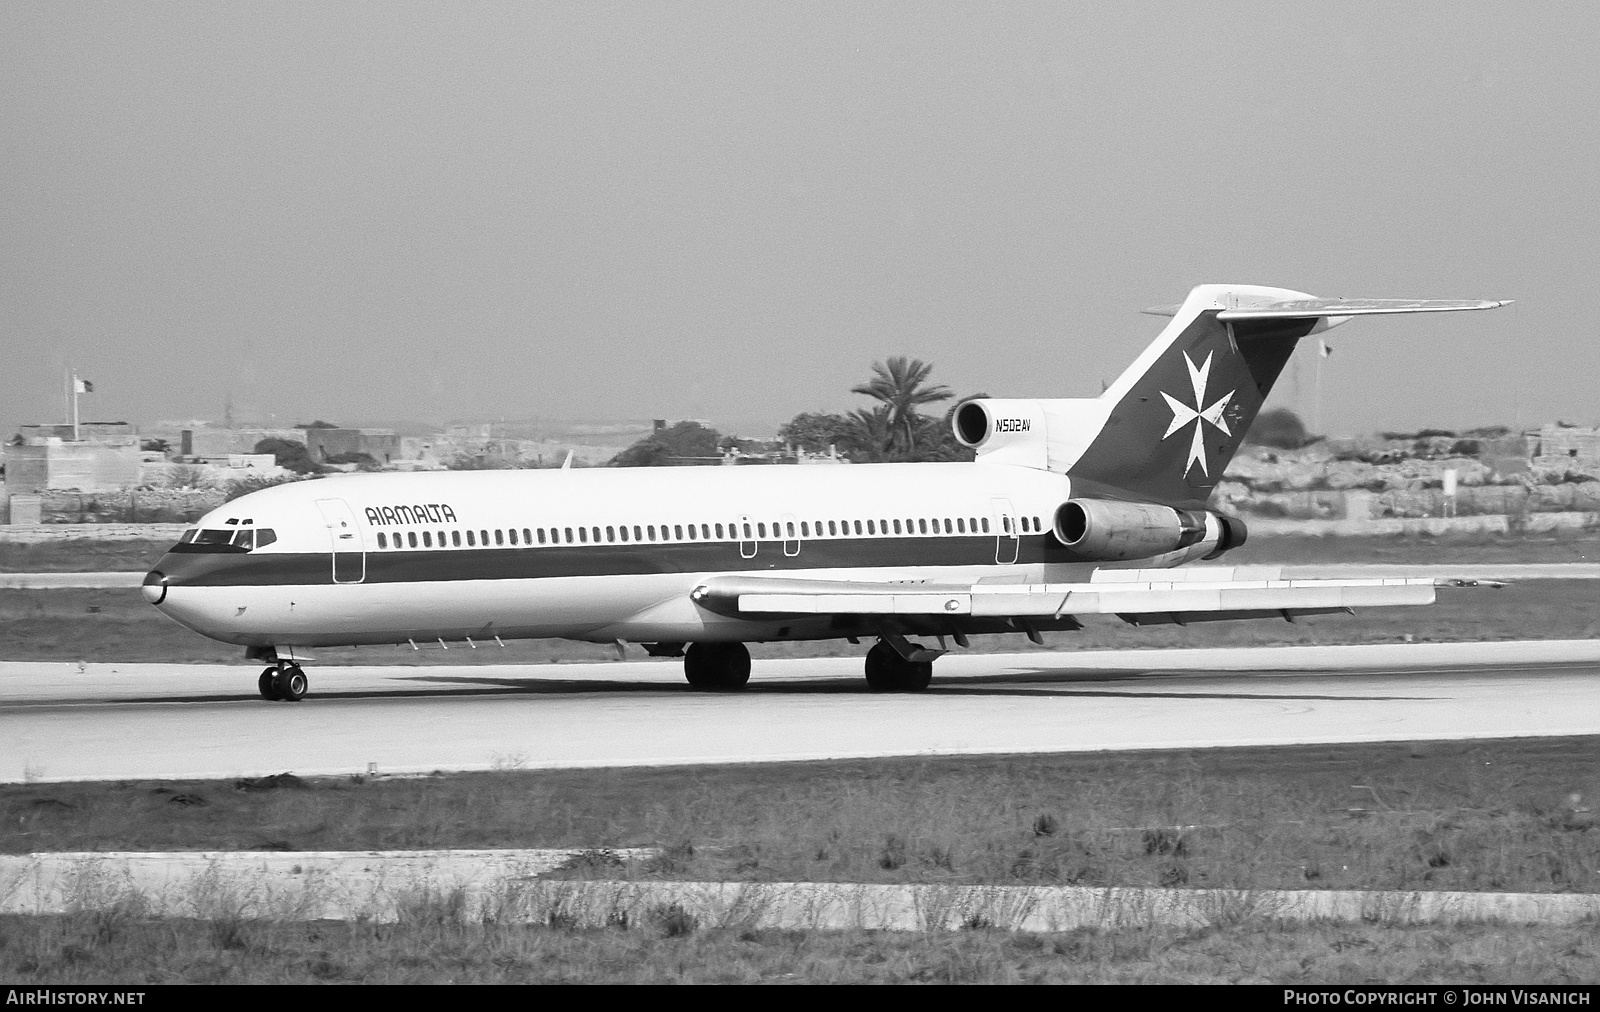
{"x":1003,"y":431}
{"x":1118,"y":531}
{"x":1047,"y":434}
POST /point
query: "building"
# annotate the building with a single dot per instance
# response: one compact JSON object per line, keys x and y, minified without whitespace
{"x":323,"y":445}
{"x":1580,"y":443}
{"x":41,"y":460}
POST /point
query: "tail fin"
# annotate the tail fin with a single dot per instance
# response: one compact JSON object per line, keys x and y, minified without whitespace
{"x":1175,"y":417}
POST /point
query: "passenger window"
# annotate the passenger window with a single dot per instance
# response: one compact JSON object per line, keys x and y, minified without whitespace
{"x":691,"y":532}
{"x":1036,"y":527}
{"x":596,"y":535}
{"x":611,"y":534}
{"x":512,"y":535}
{"x":677,"y":532}
{"x":947,"y":527}
{"x":805,"y":529}
{"x":651,"y":531}
{"x":922,"y":526}
{"x":719,"y":531}
{"x":705,"y":532}
{"x":583,"y":534}
{"x":747,"y":532}
{"x":622,"y":532}
{"x":427,"y":539}
{"x":383,"y":542}
{"x":499,"y":537}
{"x":897,"y":526}
{"x":527,"y":536}
{"x":871,"y":527}
{"x":638,"y":533}
{"x":541,"y":534}
{"x":411,"y":538}
{"x":569,"y":535}
{"x":986,"y":525}
{"x":483,"y":536}
{"x":833,"y":529}
{"x":789,"y":526}
{"x":441,"y":539}
{"x":265,"y":536}
{"x":761,"y":530}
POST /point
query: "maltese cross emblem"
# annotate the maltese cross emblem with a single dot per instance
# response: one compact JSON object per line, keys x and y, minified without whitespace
{"x":1183,"y":414}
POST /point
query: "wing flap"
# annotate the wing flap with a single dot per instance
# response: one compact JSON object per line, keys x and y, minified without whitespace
{"x":1176,"y":592}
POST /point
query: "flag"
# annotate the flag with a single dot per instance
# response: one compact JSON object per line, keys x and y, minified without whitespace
{"x":82,"y":386}
{"x":1322,"y":347}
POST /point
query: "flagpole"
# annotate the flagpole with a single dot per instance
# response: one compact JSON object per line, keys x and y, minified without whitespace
{"x":1316,"y":411}
{"x":75,"y":436}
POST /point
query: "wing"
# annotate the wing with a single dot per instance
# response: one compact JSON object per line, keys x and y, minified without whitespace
{"x":1139,"y":596}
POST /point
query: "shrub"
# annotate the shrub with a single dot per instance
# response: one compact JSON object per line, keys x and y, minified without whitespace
{"x":1280,"y":428}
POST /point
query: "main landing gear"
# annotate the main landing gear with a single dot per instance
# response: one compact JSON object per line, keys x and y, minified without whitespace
{"x":724,"y":666}
{"x":283,"y":681}
{"x":888,"y":671}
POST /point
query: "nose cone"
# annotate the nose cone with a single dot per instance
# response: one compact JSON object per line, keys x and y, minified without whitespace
{"x":155,"y":586}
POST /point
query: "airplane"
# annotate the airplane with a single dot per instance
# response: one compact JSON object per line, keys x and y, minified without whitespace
{"x":1073,"y":507}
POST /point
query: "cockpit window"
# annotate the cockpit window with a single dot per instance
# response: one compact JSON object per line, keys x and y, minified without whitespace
{"x":241,"y":539}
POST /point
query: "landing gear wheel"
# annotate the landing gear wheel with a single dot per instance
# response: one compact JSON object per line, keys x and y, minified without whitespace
{"x":290,"y":683}
{"x":265,"y":684}
{"x":724,"y":666}
{"x":887,"y":671}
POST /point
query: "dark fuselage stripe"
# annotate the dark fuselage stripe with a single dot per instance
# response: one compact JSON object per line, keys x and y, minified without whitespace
{"x":532,"y":563}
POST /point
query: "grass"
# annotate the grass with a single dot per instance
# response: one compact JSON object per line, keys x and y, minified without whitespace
{"x":1454,"y":816}
{"x":124,"y":950}
{"x":79,"y":556}
{"x":117,"y":625}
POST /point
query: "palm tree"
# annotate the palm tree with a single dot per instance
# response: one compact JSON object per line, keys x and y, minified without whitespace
{"x":898,"y":383}
{"x":871,"y":431}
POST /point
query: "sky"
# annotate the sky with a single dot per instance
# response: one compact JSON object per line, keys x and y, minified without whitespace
{"x":433,"y":211}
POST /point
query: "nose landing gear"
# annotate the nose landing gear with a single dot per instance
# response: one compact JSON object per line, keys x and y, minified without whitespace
{"x":284,"y":681}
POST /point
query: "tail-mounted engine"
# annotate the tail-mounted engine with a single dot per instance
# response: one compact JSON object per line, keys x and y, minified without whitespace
{"x":1116,"y":531}
{"x":1004,"y":431}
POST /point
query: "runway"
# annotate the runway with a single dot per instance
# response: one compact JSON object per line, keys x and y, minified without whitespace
{"x":161,"y":721}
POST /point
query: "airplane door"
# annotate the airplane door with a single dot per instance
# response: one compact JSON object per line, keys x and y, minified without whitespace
{"x":791,"y":535}
{"x":344,"y":535}
{"x":1006,"y":535}
{"x":747,"y":538}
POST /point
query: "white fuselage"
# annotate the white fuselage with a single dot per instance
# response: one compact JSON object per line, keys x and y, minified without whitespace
{"x":598,"y":554}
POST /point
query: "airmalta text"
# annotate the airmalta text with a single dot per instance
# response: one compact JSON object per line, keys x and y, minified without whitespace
{"x":416,"y":513}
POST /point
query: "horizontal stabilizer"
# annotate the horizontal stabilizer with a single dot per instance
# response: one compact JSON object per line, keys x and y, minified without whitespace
{"x":1307,"y":308}
{"x":1301,"y":309}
